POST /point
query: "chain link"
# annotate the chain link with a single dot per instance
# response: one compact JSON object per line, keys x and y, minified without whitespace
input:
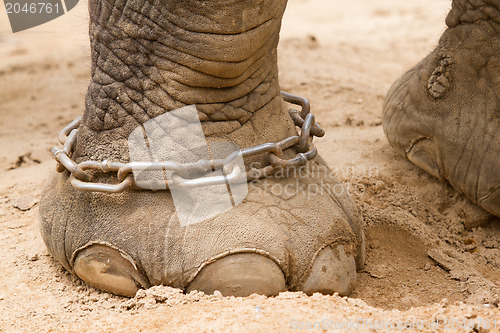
{"x":190,"y":175}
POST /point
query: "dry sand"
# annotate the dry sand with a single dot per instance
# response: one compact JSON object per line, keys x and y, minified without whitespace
{"x":432,"y":256}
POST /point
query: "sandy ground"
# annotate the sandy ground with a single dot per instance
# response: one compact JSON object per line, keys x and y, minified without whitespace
{"x":433,"y":257}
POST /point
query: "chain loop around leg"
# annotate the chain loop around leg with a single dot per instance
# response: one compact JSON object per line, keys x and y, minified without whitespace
{"x":182,"y":173}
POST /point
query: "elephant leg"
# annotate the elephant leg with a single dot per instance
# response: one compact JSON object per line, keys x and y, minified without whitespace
{"x":218,"y":60}
{"x":443,"y":115}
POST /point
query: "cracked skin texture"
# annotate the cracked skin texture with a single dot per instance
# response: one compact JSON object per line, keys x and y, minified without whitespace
{"x":444,"y":114}
{"x":150,"y":57}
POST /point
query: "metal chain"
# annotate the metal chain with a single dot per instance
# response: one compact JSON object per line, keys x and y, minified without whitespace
{"x":188,"y":175}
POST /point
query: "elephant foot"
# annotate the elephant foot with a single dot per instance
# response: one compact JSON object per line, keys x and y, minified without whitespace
{"x":184,"y":82}
{"x":305,"y":238}
{"x":443,"y":115}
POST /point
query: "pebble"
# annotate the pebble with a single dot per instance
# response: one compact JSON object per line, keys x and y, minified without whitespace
{"x":218,"y":294}
{"x":141,"y":293}
{"x":25,"y":203}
